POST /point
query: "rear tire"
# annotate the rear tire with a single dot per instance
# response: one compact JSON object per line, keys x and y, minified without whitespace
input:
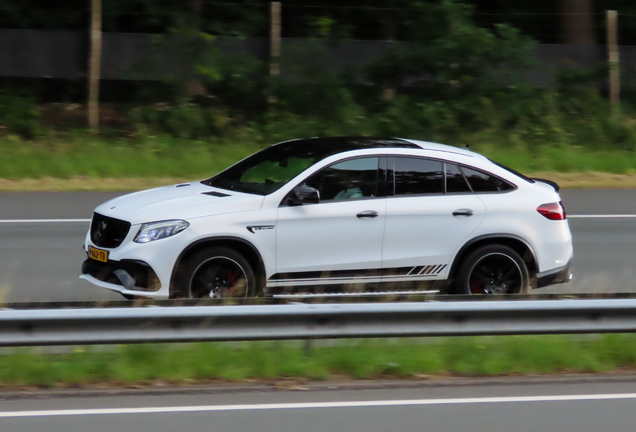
{"x":492,"y":269}
{"x":217,"y":272}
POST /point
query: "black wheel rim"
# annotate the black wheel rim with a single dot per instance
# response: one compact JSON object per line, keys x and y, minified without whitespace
{"x":495,"y":273}
{"x":219,"y":277}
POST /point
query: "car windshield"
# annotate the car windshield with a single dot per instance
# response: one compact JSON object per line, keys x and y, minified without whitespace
{"x":268,"y":170}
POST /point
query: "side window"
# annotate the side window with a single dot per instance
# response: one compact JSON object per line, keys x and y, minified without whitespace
{"x":416,"y":176}
{"x":455,"y":181}
{"x":484,"y":182}
{"x":349,"y":180}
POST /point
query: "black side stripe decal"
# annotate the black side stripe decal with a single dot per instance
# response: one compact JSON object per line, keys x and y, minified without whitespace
{"x":416,"y":270}
{"x":397,"y":272}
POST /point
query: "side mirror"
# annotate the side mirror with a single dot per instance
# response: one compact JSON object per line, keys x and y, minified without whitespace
{"x":303,"y":194}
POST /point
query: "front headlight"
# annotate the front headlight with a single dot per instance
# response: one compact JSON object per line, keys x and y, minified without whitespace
{"x":157,"y":230}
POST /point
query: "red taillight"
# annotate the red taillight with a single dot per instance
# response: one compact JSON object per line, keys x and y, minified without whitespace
{"x":553,"y":211}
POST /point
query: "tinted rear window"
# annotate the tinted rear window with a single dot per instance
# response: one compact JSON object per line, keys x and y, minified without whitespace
{"x":484,"y":182}
{"x":455,"y":181}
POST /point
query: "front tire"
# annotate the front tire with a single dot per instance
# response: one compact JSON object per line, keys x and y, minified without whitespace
{"x":492,"y":269}
{"x":218,"y":272}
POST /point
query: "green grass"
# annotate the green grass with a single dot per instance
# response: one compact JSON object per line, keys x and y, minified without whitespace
{"x":568,"y":159}
{"x":168,"y":157}
{"x":362,"y":359}
{"x":540,"y":132}
{"x":94,"y":157}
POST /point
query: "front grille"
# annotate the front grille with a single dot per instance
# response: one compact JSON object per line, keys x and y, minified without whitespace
{"x":108,"y":232}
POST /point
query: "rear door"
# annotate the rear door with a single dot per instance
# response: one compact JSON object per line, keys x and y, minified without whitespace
{"x":431,"y":211}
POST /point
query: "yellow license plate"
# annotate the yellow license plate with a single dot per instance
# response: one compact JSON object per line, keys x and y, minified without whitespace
{"x":97,"y":254}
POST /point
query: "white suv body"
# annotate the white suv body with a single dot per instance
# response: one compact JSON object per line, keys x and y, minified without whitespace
{"x":418,"y":212}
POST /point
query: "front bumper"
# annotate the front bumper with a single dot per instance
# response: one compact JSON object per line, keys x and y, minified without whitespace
{"x":136,"y":269}
{"x":131,"y":275}
{"x":555,"y":276}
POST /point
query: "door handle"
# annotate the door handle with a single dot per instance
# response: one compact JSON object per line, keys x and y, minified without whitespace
{"x":463,"y":212}
{"x":367,"y":214}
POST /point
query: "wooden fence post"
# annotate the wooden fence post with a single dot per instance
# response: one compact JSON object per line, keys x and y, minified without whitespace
{"x":613,"y":58}
{"x":274,"y":46}
{"x":274,"y":52}
{"x":94,"y":64}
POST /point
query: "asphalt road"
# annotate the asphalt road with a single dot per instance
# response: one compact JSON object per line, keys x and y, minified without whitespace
{"x":563,"y":407}
{"x":40,"y":261}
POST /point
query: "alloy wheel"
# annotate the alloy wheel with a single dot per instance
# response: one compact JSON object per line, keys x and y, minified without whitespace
{"x":219,"y":277}
{"x":495,"y":273}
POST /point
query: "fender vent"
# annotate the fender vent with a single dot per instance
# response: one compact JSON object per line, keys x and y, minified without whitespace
{"x":216,"y":194}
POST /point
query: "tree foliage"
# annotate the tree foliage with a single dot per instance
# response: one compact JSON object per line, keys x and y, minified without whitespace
{"x":450,"y":72}
{"x":449,"y":56}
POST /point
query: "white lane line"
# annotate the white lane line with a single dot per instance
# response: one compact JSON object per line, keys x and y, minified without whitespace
{"x":599,"y":216}
{"x":310,"y":405}
{"x":27,"y":221}
{"x":40,"y":221}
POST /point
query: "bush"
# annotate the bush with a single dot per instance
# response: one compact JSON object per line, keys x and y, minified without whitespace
{"x":18,"y":114}
{"x":449,"y":57}
{"x":451,"y":79}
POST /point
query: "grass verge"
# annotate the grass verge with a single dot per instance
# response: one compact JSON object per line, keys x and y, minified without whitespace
{"x":362,"y":359}
{"x":90,"y":163}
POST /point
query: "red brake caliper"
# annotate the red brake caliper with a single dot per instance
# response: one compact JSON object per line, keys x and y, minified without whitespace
{"x":474,"y":286}
{"x":230,"y":277}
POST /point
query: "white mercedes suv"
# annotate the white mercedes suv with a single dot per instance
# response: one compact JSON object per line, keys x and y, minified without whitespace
{"x":335,"y":211}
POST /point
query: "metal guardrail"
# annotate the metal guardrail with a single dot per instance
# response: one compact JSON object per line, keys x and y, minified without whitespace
{"x":313,"y":321}
{"x":350,"y":297}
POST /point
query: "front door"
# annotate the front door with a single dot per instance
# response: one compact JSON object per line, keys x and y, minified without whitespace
{"x":338,"y":240}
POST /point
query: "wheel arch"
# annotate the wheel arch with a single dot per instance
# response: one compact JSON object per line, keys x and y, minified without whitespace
{"x":242,"y":246}
{"x":519,"y":244}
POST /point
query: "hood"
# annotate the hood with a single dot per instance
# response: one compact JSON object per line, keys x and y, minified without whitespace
{"x":182,"y":201}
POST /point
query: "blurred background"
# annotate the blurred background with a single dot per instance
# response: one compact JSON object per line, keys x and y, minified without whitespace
{"x":119,"y":89}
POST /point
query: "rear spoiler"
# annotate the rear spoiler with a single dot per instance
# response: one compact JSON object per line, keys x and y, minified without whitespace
{"x":550,"y":182}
